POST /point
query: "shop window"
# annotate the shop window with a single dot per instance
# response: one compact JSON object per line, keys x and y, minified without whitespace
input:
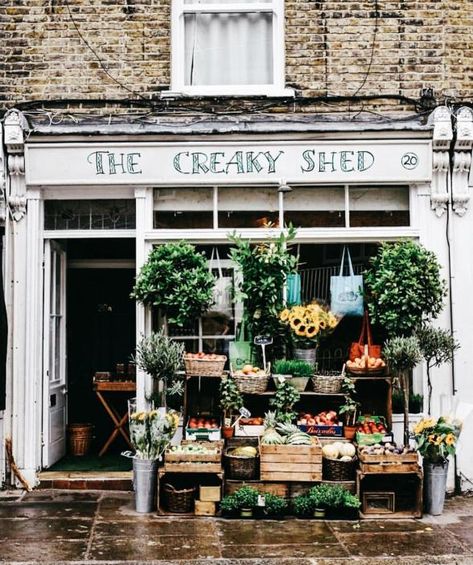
{"x":89,"y":214}
{"x":183,"y":208}
{"x":315,"y":207}
{"x":253,"y":207}
{"x":372,"y":206}
{"x":228,"y":47}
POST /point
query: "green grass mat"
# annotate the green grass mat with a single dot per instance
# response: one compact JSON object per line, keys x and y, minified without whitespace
{"x":93,"y":463}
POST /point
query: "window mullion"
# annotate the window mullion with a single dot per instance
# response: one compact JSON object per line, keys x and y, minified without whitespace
{"x":347,"y":206}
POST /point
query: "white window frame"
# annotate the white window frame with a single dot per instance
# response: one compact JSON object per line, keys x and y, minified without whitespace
{"x":178,"y":86}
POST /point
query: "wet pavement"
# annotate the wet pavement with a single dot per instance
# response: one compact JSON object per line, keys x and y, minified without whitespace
{"x":101,"y":527}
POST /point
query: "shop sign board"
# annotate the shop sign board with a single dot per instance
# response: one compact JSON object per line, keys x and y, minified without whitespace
{"x":236,"y":162}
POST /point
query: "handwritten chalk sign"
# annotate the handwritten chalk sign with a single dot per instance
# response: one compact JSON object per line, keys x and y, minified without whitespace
{"x":263,"y":340}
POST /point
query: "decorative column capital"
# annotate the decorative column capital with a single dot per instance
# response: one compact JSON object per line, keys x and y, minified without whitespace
{"x":462,"y":161}
{"x":15,"y":125}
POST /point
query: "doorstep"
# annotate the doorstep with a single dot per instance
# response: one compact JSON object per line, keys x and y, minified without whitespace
{"x":86,"y":480}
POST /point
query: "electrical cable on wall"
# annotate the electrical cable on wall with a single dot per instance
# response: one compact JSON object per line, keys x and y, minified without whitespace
{"x":96,"y":55}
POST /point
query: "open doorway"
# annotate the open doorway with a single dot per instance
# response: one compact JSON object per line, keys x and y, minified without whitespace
{"x":100,"y":339}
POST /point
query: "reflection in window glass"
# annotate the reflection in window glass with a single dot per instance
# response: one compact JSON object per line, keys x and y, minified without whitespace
{"x":315,"y":206}
{"x":252,"y":207}
{"x":372,"y":206}
{"x":183,"y":208}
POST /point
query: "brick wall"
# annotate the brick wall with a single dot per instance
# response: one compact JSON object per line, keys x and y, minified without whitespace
{"x":329,"y":43}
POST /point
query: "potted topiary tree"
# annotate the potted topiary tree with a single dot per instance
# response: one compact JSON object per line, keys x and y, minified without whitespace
{"x":402,"y":354}
{"x":230,"y":402}
{"x":437,"y":346}
{"x":176,"y":279}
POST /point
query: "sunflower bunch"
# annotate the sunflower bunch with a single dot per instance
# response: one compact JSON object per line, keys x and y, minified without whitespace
{"x":437,"y":439}
{"x":309,"y":323}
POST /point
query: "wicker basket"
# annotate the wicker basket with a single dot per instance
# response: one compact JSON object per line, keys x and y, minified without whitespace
{"x":204,"y":367}
{"x":80,"y":438}
{"x":329,"y":382}
{"x":251,"y":384}
{"x":179,"y":500}
{"x":240,"y":468}
{"x":336,"y":470}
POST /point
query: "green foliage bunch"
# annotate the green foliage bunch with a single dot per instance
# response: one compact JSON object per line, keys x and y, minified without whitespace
{"x":324,"y":497}
{"x":350,"y":406}
{"x":283,"y":402}
{"x":230,"y":397}
{"x":404,"y":287}
{"x":176,"y":279}
{"x":275,"y":505}
{"x":245,"y":497}
{"x":294,"y":367}
{"x":437,"y":346}
{"x":264,"y":268}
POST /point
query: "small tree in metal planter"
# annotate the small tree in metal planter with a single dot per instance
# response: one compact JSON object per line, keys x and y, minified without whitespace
{"x":402,"y":354}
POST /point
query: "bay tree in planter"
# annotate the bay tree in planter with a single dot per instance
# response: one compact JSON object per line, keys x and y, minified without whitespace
{"x":176,"y":280}
{"x":402,"y":354}
{"x":161,"y":357}
{"x":230,"y":402}
{"x":404,"y":288}
{"x":437,"y":346}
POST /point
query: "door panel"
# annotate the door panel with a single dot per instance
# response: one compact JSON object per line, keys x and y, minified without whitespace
{"x":54,"y":354}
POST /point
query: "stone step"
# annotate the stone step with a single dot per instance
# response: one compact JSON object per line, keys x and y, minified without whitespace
{"x":86,"y":480}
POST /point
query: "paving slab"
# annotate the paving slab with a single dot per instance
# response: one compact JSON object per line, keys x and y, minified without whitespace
{"x":293,"y":550}
{"x":44,"y":529}
{"x":52,"y":552}
{"x":48,"y":510}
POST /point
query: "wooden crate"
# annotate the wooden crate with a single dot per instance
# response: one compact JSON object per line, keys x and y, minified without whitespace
{"x":205,"y":508}
{"x":279,"y":489}
{"x":291,"y":462}
{"x":176,"y":462}
{"x":391,"y":463}
{"x":210,"y":493}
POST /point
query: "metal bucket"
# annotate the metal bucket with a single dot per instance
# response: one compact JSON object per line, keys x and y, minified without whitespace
{"x":307,"y":355}
{"x":145,"y":476}
{"x":435,"y":485}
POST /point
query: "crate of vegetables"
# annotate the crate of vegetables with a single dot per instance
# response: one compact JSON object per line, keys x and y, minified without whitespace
{"x":203,"y":428}
{"x":388,"y":458}
{"x":249,"y":427}
{"x":194,"y":457}
{"x":371,"y":430}
{"x":204,"y":364}
{"x":324,"y":424}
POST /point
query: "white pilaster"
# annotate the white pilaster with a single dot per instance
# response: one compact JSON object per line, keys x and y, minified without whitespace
{"x":443,"y":135}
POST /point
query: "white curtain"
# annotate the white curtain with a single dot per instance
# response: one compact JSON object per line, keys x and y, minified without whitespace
{"x":228,"y":49}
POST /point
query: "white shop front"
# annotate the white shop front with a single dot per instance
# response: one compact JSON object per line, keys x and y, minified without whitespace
{"x":85,"y":214}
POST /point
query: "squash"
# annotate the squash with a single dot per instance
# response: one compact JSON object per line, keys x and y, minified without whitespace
{"x":330,"y":451}
{"x":347,"y":449}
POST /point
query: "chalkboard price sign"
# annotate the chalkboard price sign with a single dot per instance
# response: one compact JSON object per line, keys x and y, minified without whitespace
{"x":263,"y":340}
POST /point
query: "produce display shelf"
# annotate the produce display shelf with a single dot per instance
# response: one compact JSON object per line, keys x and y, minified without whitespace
{"x":306,"y":393}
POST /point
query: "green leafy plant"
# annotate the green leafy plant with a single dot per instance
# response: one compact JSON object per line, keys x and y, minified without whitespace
{"x":303,"y":506}
{"x":283,"y":402}
{"x":402,"y":354}
{"x":161,"y":357}
{"x":416,"y":402}
{"x":245,"y":497}
{"x":403,"y":287}
{"x":176,"y":279}
{"x":275,"y":505}
{"x":230,"y":397}
{"x":264,"y":268}
{"x":325,"y":497}
{"x":350,"y":406}
{"x":437,"y":346}
{"x":294,"y":367}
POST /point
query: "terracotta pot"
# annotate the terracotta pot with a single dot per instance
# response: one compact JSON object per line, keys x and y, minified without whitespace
{"x":228,"y":431}
{"x":349,"y":432}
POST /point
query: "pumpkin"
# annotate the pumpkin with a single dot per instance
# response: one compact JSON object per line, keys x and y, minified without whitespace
{"x":330,"y":451}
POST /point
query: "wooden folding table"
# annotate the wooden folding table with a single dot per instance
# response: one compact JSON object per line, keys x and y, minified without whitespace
{"x":105,"y":392}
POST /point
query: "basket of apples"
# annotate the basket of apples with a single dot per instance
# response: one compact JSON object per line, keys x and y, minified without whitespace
{"x":251,"y":379}
{"x":204,"y":364}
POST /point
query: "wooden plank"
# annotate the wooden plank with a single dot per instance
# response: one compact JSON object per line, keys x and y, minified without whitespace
{"x":291,"y":458}
{"x":124,"y":386}
{"x":391,"y":458}
{"x":285,"y":476}
{"x":291,"y":467}
{"x":192,"y":468}
{"x":210,"y":493}
{"x":307,"y":450}
{"x":279,"y":489}
{"x":205,"y":508}
{"x":393,"y":468}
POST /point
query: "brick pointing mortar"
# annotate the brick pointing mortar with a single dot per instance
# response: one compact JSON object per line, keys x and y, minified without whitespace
{"x":419,"y":43}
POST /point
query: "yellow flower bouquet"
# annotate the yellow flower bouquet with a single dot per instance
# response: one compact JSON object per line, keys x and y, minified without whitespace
{"x":437,"y":439}
{"x":309,"y":323}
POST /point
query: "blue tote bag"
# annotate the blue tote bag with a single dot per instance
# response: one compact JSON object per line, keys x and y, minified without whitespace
{"x":346,"y":291}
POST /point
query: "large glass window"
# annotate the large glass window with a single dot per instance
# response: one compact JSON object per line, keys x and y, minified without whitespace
{"x":372,"y":206}
{"x":315,"y":206}
{"x":252,"y":207}
{"x":89,"y":214}
{"x":183,"y":208}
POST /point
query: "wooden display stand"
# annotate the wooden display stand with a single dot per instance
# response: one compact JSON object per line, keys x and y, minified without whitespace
{"x":406,"y":488}
{"x":291,"y":462}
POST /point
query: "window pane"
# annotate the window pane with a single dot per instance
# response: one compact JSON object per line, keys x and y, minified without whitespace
{"x":372,"y":206}
{"x":228,"y":49}
{"x":247,"y":207}
{"x":183,"y":208}
{"x":89,"y":214}
{"x":313,"y":207}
